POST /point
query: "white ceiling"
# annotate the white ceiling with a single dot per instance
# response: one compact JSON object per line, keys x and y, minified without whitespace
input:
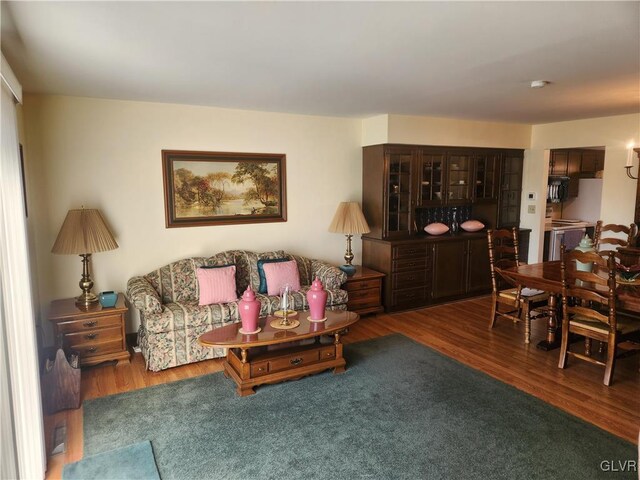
{"x":453,"y":59}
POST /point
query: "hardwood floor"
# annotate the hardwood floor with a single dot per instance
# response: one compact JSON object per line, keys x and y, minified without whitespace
{"x":459,"y":330}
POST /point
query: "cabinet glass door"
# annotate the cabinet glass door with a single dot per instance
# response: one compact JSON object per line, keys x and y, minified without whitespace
{"x":431,"y":179}
{"x":511,"y":190}
{"x":485,"y":178}
{"x":399,"y":193}
{"x":458,"y":179}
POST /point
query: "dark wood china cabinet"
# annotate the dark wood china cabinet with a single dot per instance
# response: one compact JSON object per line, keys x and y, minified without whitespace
{"x":406,"y":187}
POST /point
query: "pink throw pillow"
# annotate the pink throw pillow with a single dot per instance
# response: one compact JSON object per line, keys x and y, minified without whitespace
{"x":436,"y":228}
{"x":472,"y":226}
{"x":217,"y":285}
{"x":280,"y":274}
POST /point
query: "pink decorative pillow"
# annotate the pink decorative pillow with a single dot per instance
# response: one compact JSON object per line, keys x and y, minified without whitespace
{"x":472,"y":226}
{"x":217,"y":285}
{"x":280,"y":274}
{"x":436,"y":228}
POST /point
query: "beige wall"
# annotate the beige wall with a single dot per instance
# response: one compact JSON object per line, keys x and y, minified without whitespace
{"x":456,"y":132}
{"x":618,"y":191}
{"x":106,"y":154}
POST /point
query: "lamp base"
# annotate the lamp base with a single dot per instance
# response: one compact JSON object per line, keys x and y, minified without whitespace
{"x":348,"y":269}
{"x":86,"y":299}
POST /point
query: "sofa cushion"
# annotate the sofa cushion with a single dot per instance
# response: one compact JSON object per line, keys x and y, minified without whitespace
{"x":217,"y":284}
{"x":247,"y":267}
{"x":263,"y":279}
{"x":177,"y":281}
{"x":279,"y":275}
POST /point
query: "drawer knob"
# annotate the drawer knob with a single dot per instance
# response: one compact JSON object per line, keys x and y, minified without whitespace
{"x":91,"y":336}
{"x":92,"y":350}
{"x":296,"y":361}
{"x":91,"y":323}
{"x":260,"y":369}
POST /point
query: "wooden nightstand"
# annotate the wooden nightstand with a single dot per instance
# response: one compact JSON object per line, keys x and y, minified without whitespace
{"x":96,"y":333}
{"x":365,"y":291}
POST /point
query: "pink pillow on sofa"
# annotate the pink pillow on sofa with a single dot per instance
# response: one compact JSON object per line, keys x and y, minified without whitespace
{"x":280,"y":274}
{"x":217,"y":285}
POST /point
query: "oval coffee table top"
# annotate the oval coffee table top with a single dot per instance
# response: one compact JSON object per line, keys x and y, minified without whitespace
{"x":229,"y":336}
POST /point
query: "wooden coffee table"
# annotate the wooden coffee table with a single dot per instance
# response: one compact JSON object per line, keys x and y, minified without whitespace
{"x":274,"y":355}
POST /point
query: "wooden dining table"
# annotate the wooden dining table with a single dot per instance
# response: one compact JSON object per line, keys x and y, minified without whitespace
{"x":546,"y":276}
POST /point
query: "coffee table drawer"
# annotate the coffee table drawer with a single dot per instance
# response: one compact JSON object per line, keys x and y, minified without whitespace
{"x":291,"y":361}
{"x":259,"y":368}
{"x":327,"y":353}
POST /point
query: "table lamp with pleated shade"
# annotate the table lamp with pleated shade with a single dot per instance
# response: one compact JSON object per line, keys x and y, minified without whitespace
{"x":349,"y":220}
{"x":84,"y":232}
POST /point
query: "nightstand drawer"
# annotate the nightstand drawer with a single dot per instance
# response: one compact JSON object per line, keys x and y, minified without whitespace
{"x":90,"y":323}
{"x":373,"y":293}
{"x":361,"y":285}
{"x":93,"y":336}
{"x":89,"y":350}
{"x":355,"y":305}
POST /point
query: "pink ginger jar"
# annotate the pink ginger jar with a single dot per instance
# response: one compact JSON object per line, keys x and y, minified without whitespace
{"x":317,"y":299}
{"x":249,"y":308}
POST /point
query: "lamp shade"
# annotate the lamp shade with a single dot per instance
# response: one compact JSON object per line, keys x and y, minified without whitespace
{"x":349,"y":219}
{"x":84,"y":231}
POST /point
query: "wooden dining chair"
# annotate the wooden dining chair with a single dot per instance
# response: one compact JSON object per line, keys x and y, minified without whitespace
{"x":589,"y":308}
{"x":514,"y":302}
{"x":603,"y":241}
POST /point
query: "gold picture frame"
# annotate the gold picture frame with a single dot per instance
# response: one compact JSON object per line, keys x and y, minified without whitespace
{"x":223,"y":188}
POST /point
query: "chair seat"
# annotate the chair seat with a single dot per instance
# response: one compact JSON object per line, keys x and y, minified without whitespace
{"x":513,"y":293}
{"x":624,"y":324}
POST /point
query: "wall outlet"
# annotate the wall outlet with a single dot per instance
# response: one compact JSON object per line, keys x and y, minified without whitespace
{"x":531,"y":209}
{"x":532,"y":196}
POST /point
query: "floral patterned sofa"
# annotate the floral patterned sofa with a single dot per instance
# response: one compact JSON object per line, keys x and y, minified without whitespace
{"x":171,"y":320}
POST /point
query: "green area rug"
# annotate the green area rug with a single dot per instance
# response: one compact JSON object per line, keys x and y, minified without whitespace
{"x":401,"y":410}
{"x":133,"y":462}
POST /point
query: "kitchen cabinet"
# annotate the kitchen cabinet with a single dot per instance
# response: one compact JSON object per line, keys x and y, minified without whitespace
{"x":578,"y":162}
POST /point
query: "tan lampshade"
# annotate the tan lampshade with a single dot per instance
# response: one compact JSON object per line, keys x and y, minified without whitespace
{"x":84,"y":231}
{"x":349,"y":219}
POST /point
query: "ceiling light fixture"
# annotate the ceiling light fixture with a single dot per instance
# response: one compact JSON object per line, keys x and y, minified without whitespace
{"x":539,"y":83}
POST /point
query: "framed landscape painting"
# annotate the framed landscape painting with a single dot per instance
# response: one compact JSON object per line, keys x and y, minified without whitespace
{"x":216,"y":188}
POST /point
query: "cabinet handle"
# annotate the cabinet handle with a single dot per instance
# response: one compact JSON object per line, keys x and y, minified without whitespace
{"x":92,"y":323}
{"x":91,"y":336}
{"x":296,"y":361}
{"x":92,"y":350}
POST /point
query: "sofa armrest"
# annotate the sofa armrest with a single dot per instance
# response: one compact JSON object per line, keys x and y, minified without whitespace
{"x":143,"y":296}
{"x":331,"y":277}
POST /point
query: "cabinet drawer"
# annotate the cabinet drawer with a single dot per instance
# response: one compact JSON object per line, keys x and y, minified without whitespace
{"x":409,"y":279}
{"x":409,"y":251}
{"x":361,"y":284}
{"x":328,"y":353}
{"x":89,"y":350}
{"x":293,"y":360}
{"x":93,"y":336}
{"x":259,"y":368}
{"x":89,"y":323}
{"x":363,"y":303}
{"x":410,"y":264}
{"x":364,"y":294}
{"x":408,"y":296}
